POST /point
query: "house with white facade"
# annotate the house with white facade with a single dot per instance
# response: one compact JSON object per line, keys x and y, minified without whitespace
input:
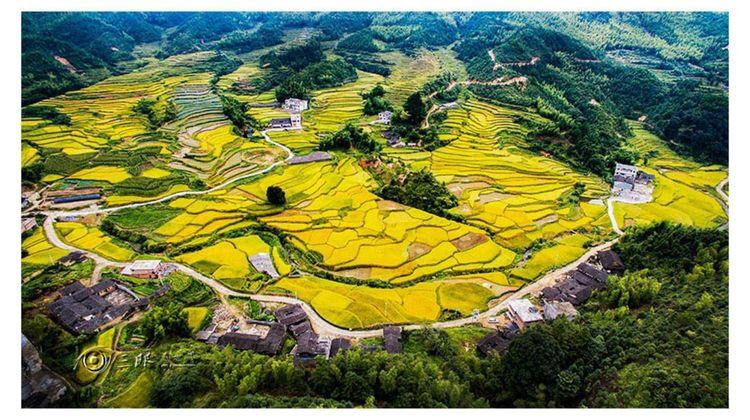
{"x":294,"y":105}
{"x":385,"y":117}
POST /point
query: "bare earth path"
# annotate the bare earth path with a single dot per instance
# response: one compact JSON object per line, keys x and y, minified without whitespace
{"x":722,"y":194}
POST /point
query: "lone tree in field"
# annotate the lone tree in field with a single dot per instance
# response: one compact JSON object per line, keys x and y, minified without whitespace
{"x":416,"y":107}
{"x":276,"y":195}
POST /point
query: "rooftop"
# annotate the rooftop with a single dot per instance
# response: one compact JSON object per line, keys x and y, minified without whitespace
{"x":290,"y":314}
{"x":316,"y":156}
{"x":392,"y":338}
{"x":553,"y":310}
{"x":497,"y":341}
{"x":610,"y":261}
{"x":524,"y":309}
{"x":141,"y":265}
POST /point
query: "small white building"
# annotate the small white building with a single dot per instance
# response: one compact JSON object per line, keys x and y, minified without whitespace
{"x":385,"y":117}
{"x":296,"y":120}
{"x":143,"y":269}
{"x":523,"y":312}
{"x":294,"y":105}
{"x":624,"y":178}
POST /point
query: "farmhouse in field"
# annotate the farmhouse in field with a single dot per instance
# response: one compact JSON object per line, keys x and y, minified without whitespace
{"x":523,"y":313}
{"x":631,"y":183}
{"x":294,"y":105}
{"x":88,"y":309}
{"x":72,"y":258}
{"x":393,"y":140}
{"x":294,"y":121}
{"x":385,"y":117}
{"x":144,"y":269}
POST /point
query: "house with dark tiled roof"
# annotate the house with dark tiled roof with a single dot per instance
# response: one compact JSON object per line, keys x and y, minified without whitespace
{"x":339,"y":345}
{"x":610,"y":261}
{"x":392,"y":339}
{"x":72,"y":258}
{"x":301,"y":328}
{"x":269,"y":342}
{"x":497,"y":342}
{"x":290,"y":314}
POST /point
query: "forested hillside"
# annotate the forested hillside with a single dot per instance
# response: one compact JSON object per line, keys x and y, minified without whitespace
{"x":585,"y":71}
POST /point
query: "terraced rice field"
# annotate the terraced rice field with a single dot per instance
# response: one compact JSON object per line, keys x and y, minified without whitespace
{"x":228,"y":261}
{"x":29,"y":155}
{"x":40,"y":251}
{"x":334,"y":107}
{"x":356,"y":234}
{"x":334,"y":226}
{"x":92,"y":239}
{"x":351,"y":306}
{"x":684,"y":190}
{"x":349,"y":231}
{"x":110,"y":174}
{"x":409,"y":73}
{"x":503,"y":188}
{"x":103,"y":121}
{"x":136,"y":395}
{"x":210,"y":148}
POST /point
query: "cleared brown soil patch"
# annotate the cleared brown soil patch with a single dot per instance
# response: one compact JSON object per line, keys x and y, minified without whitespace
{"x":458,"y":188}
{"x":389,"y":205}
{"x":417,"y":249}
{"x":492,"y":197}
{"x":357,"y":273}
{"x":547,"y":219}
{"x":468,"y":241}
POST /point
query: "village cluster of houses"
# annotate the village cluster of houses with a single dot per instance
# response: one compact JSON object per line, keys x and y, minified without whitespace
{"x":557,"y":301}
{"x":82,"y":309}
{"x":268,"y":337}
{"x":631,"y":183}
